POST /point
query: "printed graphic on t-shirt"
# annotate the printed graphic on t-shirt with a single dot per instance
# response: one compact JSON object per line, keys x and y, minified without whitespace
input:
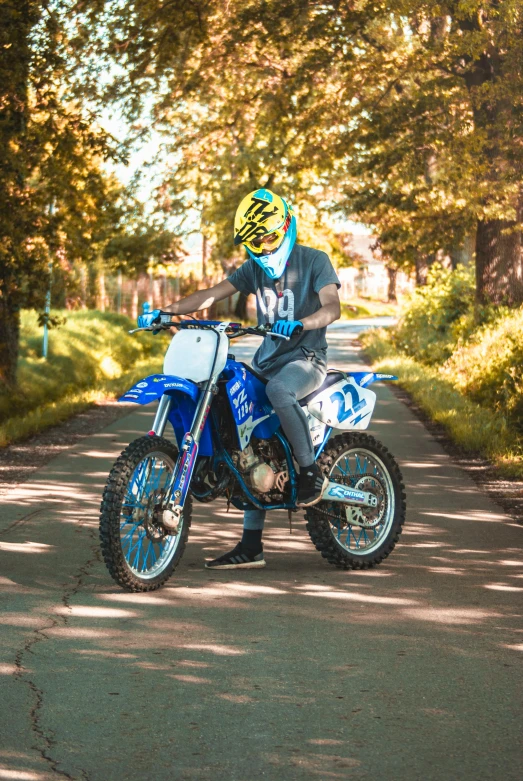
{"x":274,"y":308}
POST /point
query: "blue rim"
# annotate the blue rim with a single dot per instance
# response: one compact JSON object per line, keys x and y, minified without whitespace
{"x":356,"y":539}
{"x":145,"y":557}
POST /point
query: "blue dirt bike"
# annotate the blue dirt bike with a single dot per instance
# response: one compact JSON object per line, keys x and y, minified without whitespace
{"x":228,"y":443}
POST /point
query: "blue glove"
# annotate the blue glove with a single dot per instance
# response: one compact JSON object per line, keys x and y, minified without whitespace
{"x":147,"y":318}
{"x":287,"y":327}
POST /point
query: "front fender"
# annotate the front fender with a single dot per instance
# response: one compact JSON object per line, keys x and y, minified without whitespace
{"x":153,"y":387}
{"x":185,"y":394}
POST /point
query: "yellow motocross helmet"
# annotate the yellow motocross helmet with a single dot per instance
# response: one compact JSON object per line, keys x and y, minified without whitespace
{"x":266,"y":225}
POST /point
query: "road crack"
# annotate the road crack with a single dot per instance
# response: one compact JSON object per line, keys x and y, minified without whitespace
{"x":45,"y":743}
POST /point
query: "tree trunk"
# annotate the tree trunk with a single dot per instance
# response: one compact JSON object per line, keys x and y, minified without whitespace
{"x":499,"y":263}
{"x":101,"y":292}
{"x":391,"y":291}
{"x":422,"y":268}
{"x":134,"y":300}
{"x":17,"y":215}
{"x":9,"y":339}
{"x":204,"y":259}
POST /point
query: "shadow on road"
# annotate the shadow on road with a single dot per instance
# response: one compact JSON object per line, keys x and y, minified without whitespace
{"x":298,"y":671}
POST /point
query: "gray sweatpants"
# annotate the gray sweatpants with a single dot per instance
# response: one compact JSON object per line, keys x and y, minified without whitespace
{"x":285,"y":387}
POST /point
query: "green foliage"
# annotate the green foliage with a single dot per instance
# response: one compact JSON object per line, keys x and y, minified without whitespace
{"x":437,"y":315}
{"x":474,"y":427}
{"x":378,"y":343}
{"x":406,"y":114}
{"x":488,"y":368}
{"x":91,"y":352}
{"x":366,"y":307}
{"x":465,"y":371}
{"x":53,"y":190}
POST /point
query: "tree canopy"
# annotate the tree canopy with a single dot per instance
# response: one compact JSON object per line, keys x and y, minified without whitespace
{"x":405,"y":115}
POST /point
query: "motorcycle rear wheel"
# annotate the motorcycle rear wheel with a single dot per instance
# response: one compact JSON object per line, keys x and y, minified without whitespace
{"x":140,"y":554}
{"x":360,"y":461}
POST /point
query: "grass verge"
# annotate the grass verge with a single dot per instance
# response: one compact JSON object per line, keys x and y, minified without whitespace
{"x":474,"y":427}
{"x":51,"y":413}
{"x":367,"y":307}
{"x":91,"y":358}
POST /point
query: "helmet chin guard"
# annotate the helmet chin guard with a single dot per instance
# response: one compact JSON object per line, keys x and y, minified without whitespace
{"x":274,"y":263}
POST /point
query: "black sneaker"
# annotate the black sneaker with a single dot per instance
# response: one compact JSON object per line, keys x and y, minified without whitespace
{"x":311,"y":485}
{"x":239,"y":558}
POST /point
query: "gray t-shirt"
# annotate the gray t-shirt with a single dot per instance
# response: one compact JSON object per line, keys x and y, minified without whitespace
{"x":307,"y":272}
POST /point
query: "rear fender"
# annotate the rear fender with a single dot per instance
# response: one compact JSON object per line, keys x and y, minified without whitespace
{"x":363,"y":379}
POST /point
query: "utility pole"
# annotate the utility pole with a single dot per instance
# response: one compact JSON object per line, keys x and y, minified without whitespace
{"x":47,"y":309}
{"x":151,"y":287}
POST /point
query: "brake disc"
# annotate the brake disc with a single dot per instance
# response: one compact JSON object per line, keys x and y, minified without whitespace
{"x":153,"y":517}
{"x":368,"y":517}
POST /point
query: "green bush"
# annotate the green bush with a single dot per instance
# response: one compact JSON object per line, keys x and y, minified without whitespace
{"x":464,"y":367}
{"x":437,"y":315}
{"x":475,"y":427}
{"x":367,"y":307}
{"x":489,"y":367}
{"x":91,"y":352}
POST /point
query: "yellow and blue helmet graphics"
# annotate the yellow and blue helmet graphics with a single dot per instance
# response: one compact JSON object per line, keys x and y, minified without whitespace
{"x":266,"y":225}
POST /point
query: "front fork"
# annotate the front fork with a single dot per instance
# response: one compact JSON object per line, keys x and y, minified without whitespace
{"x":181,"y":478}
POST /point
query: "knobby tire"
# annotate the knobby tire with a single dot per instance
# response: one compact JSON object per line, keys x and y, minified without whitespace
{"x":111,"y":509}
{"x":318,"y":524}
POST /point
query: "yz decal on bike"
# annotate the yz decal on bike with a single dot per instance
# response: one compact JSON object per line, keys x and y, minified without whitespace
{"x":240,"y":402}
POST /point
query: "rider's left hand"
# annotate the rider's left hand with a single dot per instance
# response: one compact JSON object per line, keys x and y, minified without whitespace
{"x":287,"y":327}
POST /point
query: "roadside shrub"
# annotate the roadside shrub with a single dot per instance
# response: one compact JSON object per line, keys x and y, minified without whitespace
{"x":489,"y":367}
{"x":475,"y":427}
{"x":464,"y":367}
{"x":379,"y":343}
{"x":437,"y":315}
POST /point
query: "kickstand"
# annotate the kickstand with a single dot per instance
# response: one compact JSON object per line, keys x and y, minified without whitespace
{"x":290,"y":521}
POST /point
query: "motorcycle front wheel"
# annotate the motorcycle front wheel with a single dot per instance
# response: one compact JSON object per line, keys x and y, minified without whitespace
{"x":139,"y":552}
{"x":358,"y":537}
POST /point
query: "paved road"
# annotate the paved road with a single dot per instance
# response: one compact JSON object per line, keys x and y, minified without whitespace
{"x":297,"y":671}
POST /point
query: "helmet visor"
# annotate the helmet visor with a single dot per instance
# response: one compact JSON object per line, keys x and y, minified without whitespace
{"x":269,"y":242}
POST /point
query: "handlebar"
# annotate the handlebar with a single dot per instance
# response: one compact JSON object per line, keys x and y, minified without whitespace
{"x":233,"y":330}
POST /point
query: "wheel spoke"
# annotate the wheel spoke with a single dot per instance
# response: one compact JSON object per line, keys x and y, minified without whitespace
{"x":129,"y":534}
{"x":138,"y":546}
{"x":369,"y":473}
{"x":147,"y":552}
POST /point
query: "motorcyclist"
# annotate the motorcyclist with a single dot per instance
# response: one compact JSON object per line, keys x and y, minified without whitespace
{"x":296,"y":292}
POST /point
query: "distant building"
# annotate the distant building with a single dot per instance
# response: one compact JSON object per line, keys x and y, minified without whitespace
{"x":368,"y":277}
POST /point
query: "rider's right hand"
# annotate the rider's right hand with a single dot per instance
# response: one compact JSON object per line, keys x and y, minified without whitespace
{"x":148,"y":318}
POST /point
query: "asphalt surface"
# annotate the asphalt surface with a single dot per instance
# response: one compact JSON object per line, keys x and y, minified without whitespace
{"x":298,"y":671}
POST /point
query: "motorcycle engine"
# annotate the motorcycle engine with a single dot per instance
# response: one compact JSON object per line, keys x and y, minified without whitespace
{"x":263,"y":469}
